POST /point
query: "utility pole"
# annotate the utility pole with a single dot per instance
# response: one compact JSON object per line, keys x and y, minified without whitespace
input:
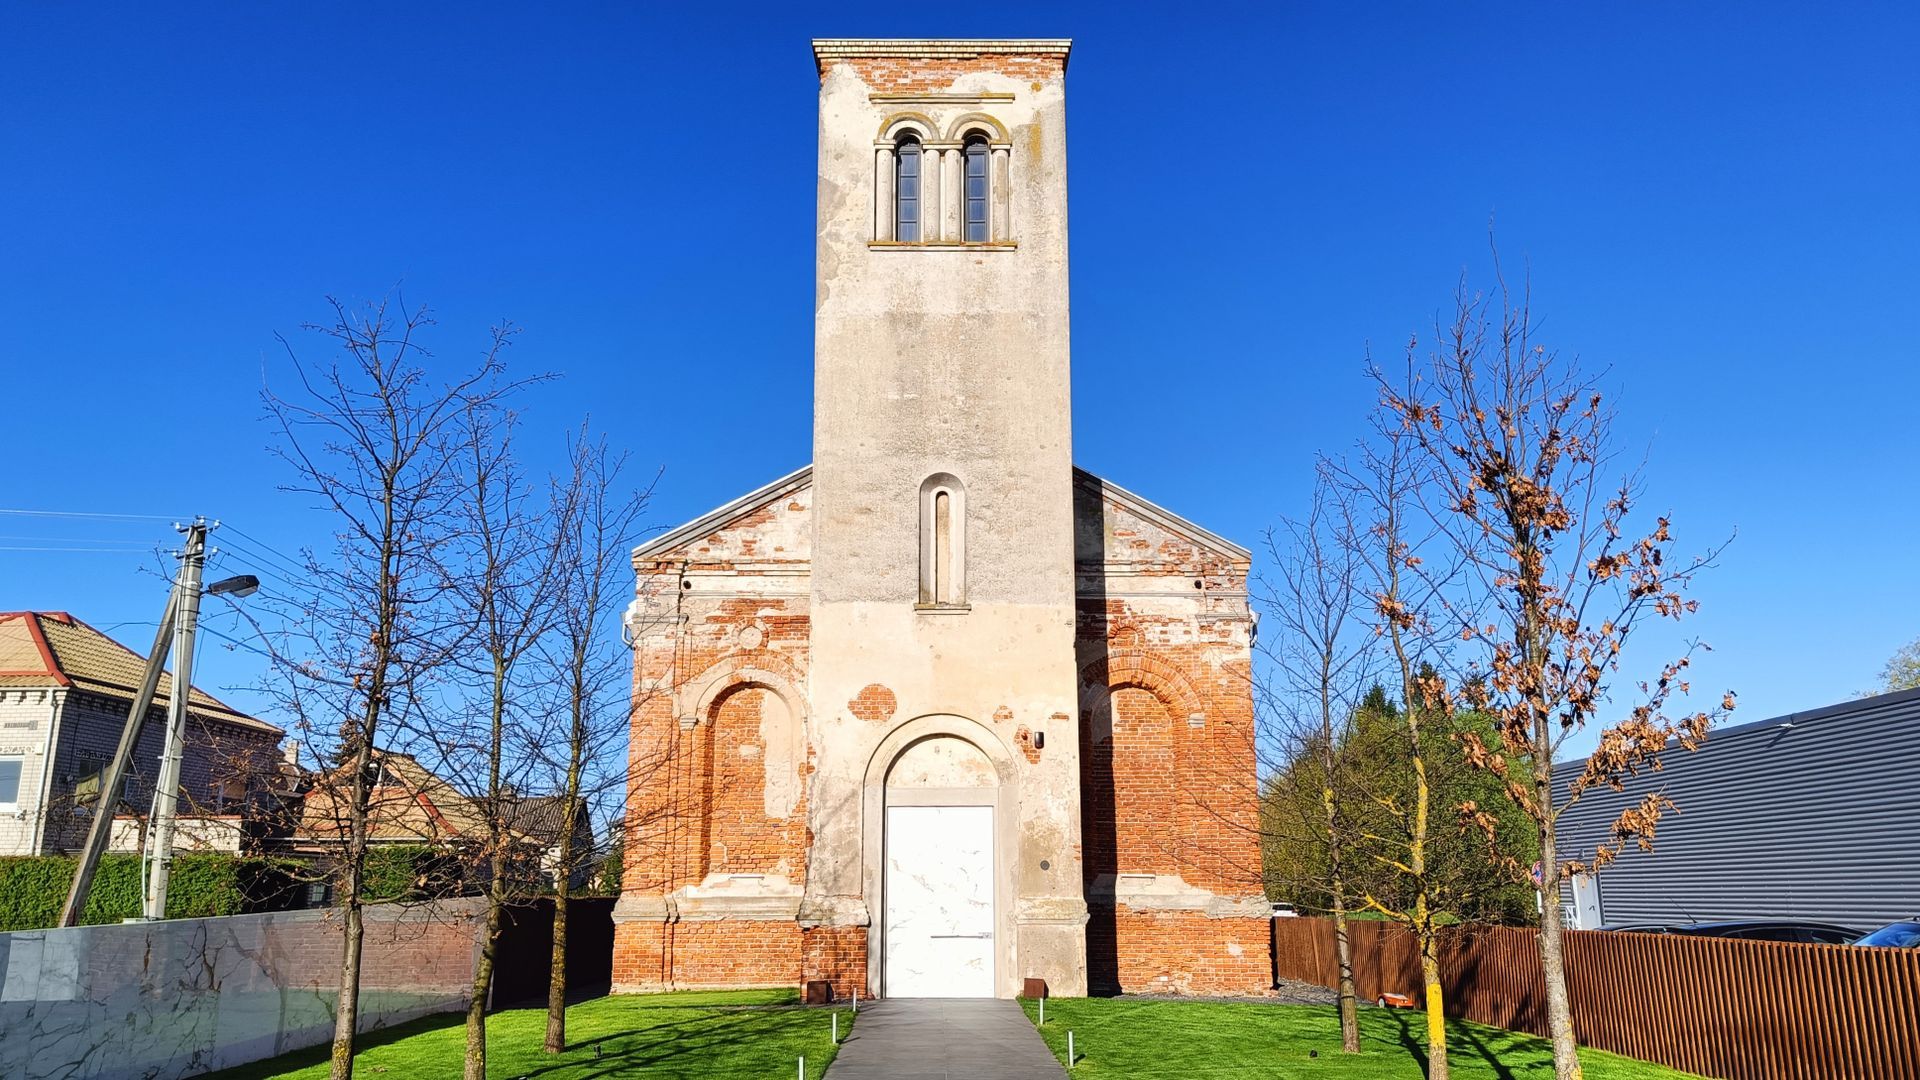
{"x":107,"y":800}
{"x":166,"y":796}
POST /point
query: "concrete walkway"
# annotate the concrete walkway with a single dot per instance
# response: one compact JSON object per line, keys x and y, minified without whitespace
{"x":944,"y":1039}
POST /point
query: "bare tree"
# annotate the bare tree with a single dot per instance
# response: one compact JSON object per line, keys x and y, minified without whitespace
{"x":371,"y":436}
{"x":1525,"y":492}
{"x":1384,"y":487}
{"x":503,"y":569}
{"x":599,"y":521}
{"x":1320,"y":658}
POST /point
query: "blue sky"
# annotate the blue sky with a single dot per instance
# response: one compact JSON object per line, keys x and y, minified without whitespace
{"x":1717,"y":204}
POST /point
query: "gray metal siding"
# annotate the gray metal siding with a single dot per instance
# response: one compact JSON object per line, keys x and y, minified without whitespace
{"x":1814,"y":815}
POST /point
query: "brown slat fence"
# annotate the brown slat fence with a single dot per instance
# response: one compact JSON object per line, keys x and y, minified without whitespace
{"x":1739,"y":1010}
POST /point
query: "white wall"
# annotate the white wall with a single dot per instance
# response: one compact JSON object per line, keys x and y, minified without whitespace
{"x":178,"y":998}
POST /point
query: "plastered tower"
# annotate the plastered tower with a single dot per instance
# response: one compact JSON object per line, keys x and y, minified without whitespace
{"x":943,"y":587}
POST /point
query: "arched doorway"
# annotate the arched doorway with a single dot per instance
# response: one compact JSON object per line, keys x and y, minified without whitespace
{"x":940,"y":871}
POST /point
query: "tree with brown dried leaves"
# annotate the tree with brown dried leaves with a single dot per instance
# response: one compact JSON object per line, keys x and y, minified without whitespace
{"x":1557,"y":577}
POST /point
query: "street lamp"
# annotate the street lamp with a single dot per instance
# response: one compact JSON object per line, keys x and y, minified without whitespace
{"x":238,"y":586}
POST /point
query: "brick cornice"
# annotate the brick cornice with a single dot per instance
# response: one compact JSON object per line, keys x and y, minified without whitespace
{"x":827,"y":50}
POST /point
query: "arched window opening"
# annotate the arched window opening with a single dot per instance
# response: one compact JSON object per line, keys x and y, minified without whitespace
{"x":977,"y":189}
{"x":906,"y":190}
{"x":943,"y":542}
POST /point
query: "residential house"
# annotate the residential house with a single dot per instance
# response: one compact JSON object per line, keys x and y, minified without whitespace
{"x":65,"y":690}
{"x":411,"y":805}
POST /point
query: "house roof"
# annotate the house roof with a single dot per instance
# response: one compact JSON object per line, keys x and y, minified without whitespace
{"x":412,"y":803}
{"x":800,"y":478}
{"x":53,"y":648}
{"x":542,"y":817}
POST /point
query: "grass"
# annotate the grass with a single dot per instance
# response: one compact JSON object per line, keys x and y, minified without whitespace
{"x":1179,"y":1040}
{"x":710,"y":1036}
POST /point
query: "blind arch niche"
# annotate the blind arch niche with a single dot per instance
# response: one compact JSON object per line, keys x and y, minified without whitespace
{"x":943,"y":542}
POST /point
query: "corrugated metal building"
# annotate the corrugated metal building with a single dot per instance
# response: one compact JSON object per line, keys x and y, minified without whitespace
{"x":1812,"y":815}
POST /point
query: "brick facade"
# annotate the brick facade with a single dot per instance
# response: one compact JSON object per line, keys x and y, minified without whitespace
{"x":1167,"y":793}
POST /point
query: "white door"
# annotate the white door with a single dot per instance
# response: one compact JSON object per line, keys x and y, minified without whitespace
{"x":939,"y":886}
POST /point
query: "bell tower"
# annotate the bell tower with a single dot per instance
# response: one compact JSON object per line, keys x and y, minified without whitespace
{"x":942,"y":587}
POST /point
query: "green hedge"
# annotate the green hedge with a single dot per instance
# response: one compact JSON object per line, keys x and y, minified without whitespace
{"x":33,"y":888}
{"x":410,"y":872}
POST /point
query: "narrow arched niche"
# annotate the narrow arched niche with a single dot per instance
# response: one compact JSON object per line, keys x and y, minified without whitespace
{"x":943,"y":542}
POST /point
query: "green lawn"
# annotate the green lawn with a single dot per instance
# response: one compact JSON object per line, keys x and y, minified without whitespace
{"x":1179,"y":1040}
{"x":711,"y":1036}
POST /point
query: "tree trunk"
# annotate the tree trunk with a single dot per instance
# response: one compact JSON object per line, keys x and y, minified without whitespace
{"x":557,"y":969}
{"x":1343,"y":954}
{"x":1437,"y":1068}
{"x":1553,"y":965}
{"x":476,"y":1062}
{"x":346,"y":1015}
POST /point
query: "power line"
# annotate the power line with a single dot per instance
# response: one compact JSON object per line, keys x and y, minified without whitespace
{"x":87,"y":514}
{"x":262,"y":545}
{"x":81,"y":550}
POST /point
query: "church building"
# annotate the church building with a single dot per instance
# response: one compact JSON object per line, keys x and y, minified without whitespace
{"x":941,"y":713}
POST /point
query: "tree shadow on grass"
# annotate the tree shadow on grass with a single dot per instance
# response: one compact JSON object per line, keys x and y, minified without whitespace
{"x":319,"y":1055}
{"x":683,"y":1045}
{"x":673,"y":1048}
{"x":1503,"y":1051}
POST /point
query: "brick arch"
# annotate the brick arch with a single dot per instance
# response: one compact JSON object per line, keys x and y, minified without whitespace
{"x":1122,"y":668}
{"x":763,"y":668}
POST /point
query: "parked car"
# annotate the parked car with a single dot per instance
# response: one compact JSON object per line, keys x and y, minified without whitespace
{"x":1900,"y":935}
{"x":1810,"y":933}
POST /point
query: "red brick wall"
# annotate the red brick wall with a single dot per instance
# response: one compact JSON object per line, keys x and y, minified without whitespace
{"x":1186,"y":952}
{"x":837,"y":954}
{"x":900,"y":74}
{"x":697,"y":797}
{"x":1166,"y":669}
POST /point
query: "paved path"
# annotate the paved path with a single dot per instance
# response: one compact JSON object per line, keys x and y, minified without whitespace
{"x":944,"y":1039}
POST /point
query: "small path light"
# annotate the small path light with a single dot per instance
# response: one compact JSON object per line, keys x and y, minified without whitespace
{"x":836,"y":1029}
{"x":1069,"y":1049}
{"x":1043,"y":1012}
{"x":856,"y":999}
{"x":803,"y":1067}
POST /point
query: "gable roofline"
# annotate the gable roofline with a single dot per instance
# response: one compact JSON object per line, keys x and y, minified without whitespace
{"x":1161,"y":516}
{"x":81,"y":671}
{"x":31,"y":620}
{"x":720,"y":515}
{"x":801,"y":477}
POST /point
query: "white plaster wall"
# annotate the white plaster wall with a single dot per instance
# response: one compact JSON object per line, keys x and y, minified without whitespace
{"x":27,"y":718}
{"x":186,"y":996}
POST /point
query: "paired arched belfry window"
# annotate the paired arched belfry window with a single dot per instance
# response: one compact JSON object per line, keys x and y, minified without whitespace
{"x":938,"y":191}
{"x":943,"y":542}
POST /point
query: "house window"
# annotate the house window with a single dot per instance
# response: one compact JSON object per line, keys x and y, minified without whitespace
{"x":943,"y":542}
{"x":906,"y":190}
{"x":978,"y":187}
{"x":10,"y":768}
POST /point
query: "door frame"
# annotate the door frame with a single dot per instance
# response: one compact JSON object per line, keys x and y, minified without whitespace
{"x":1003,"y":797}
